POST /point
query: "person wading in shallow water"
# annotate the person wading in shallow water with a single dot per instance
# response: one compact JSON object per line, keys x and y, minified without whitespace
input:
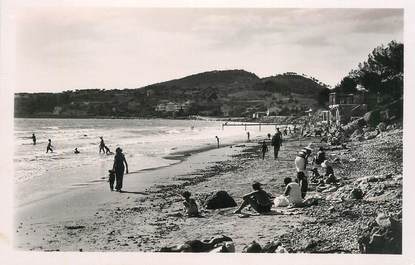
{"x":49,"y":147}
{"x":118,"y":167}
{"x":101,"y":145}
{"x":217,"y":139}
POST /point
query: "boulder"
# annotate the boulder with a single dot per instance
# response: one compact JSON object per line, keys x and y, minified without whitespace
{"x":271,"y":246}
{"x":253,"y":247}
{"x":356,"y":194}
{"x":382,"y":236}
{"x":220,"y":199}
{"x":372,"y":118}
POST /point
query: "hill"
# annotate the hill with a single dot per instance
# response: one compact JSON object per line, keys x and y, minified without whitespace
{"x":214,"y":93}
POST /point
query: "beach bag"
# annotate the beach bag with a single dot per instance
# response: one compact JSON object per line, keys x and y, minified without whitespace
{"x":281,"y":201}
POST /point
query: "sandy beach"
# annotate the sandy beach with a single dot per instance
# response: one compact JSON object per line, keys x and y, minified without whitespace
{"x":147,"y":216}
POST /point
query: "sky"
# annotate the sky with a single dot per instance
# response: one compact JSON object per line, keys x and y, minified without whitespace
{"x":69,"y":48}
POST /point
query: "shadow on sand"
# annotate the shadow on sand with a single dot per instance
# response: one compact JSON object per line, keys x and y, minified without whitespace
{"x":134,"y":192}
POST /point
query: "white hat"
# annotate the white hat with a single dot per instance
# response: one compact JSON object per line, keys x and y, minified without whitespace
{"x":309,"y":147}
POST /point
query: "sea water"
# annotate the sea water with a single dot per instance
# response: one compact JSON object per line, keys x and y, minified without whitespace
{"x":145,"y":143}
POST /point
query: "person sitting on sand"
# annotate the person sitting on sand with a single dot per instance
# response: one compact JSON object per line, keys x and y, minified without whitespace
{"x":49,"y":147}
{"x":264,"y":149}
{"x":258,"y":199}
{"x":329,"y":175}
{"x":320,"y":157}
{"x":190,"y":205}
{"x":293,"y":192}
{"x":76,"y":151}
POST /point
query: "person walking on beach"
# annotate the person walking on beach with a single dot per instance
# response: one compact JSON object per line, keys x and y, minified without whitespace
{"x":217,"y":140}
{"x":102,"y":145}
{"x":276,"y":143}
{"x":34,"y":138}
{"x":49,"y":147}
{"x":249,"y":136}
{"x":118,"y":167}
{"x":259,"y":199}
{"x":264,"y":149}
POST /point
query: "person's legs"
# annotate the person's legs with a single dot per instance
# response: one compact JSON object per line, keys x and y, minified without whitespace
{"x":247,"y":202}
{"x":119,"y":176}
{"x":276,"y":149}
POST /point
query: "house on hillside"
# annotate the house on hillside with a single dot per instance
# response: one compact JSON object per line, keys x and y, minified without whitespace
{"x":170,"y":106}
{"x":259,"y":114}
{"x":345,"y":107}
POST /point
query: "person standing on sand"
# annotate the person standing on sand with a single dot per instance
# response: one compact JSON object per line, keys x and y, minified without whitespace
{"x":258,"y":199}
{"x":217,"y":140}
{"x":49,"y":147}
{"x":102,"y":145}
{"x":276,"y":142}
{"x":249,"y":136}
{"x":302,"y":180}
{"x":34,"y":138}
{"x":264,"y":149}
{"x":301,"y":159}
{"x":118,"y":167}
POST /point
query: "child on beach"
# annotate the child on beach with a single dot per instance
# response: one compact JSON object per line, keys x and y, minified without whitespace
{"x":111,"y":178}
{"x":259,"y":199}
{"x":190,"y":205}
{"x":264,"y":149}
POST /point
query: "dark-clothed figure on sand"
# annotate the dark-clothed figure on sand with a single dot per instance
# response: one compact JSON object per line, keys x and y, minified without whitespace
{"x":34,"y":138}
{"x":276,"y":142}
{"x":119,"y":161}
{"x":264,"y":149}
{"x":217,"y":140}
{"x":259,"y":199}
